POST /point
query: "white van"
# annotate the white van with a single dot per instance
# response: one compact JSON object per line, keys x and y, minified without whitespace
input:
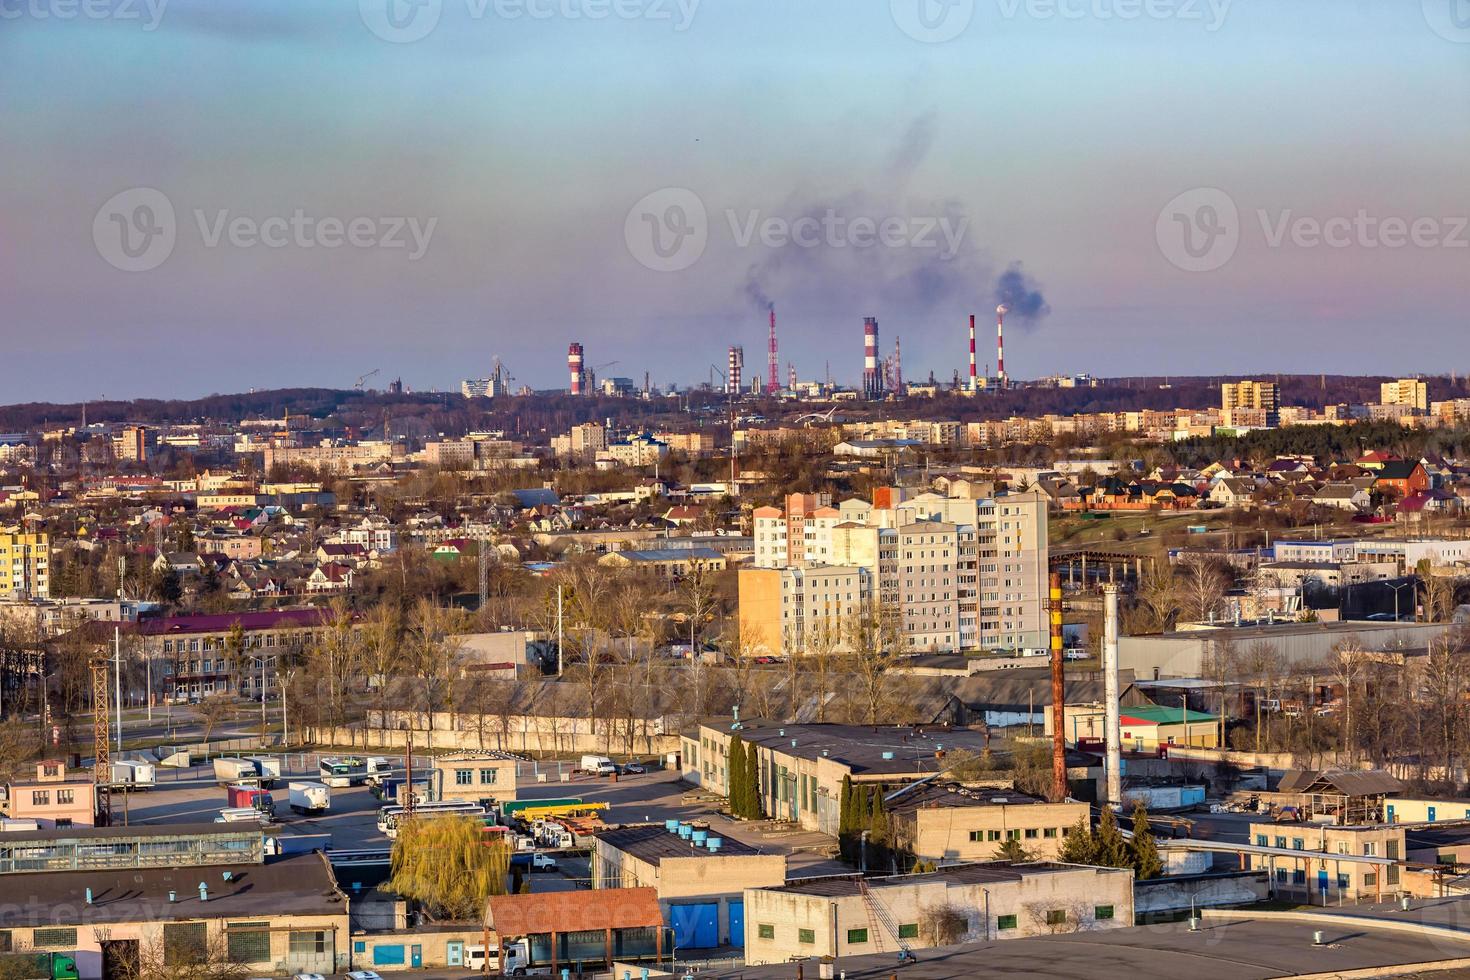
{"x":599,"y":764}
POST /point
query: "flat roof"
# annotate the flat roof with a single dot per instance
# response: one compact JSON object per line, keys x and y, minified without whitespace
{"x":935,"y":795}
{"x":210,"y":829}
{"x":861,"y":747}
{"x":652,"y":843}
{"x":1220,"y":950}
{"x":301,"y":885}
{"x":1206,"y":632}
{"x":842,"y":886}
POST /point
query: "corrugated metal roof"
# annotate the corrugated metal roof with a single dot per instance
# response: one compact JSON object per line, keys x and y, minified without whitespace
{"x":579,"y":911}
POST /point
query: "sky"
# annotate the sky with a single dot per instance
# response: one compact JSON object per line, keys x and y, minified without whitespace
{"x":206,"y":196}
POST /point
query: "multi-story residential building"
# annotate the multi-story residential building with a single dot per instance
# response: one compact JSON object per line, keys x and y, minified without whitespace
{"x":692,"y":443}
{"x":639,"y":450}
{"x":582,"y":442}
{"x":132,"y":443}
{"x":373,"y":533}
{"x":1409,"y":392}
{"x":331,"y":458}
{"x":25,"y":560}
{"x":1239,"y":399}
{"x":792,"y":610}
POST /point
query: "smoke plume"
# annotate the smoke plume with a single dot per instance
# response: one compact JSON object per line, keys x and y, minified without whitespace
{"x":1022,"y":297}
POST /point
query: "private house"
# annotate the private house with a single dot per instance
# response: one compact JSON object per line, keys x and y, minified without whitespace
{"x":1401,"y":478}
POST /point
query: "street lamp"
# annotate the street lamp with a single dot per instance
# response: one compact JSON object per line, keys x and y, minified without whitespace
{"x":1396,"y":588}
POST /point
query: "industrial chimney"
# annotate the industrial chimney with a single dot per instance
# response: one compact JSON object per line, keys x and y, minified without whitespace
{"x":574,"y":365}
{"x":1111,"y":710}
{"x":973,"y":382}
{"x":1000,"y":343}
{"x":773,"y":384}
{"x":872,"y":375}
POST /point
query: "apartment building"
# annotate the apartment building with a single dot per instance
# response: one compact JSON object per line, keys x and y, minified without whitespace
{"x":1320,"y":860}
{"x":639,"y":450}
{"x":1250,"y":400}
{"x":785,"y":611}
{"x":25,"y":560}
{"x":1409,"y":392}
{"x":581,"y":442}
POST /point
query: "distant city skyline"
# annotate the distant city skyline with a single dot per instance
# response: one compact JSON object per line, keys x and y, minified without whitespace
{"x":309,"y":192}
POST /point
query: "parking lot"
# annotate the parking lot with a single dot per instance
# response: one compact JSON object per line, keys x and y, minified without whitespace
{"x":194,"y":795}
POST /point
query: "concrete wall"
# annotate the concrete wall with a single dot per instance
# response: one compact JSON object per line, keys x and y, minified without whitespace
{"x":1188,"y":654}
{"x":519,"y":733}
{"x":1415,"y":809}
{"x":1166,"y":895}
{"x":433,"y":947}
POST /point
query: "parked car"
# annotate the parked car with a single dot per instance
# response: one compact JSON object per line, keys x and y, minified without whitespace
{"x":308,"y":976}
{"x":363,"y":975}
{"x":632,"y":769}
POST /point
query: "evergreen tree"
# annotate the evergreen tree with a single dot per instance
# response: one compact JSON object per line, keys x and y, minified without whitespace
{"x":1146,"y":861}
{"x":845,"y":804}
{"x":1112,"y":846}
{"x":753,"y":781}
{"x":1079,"y":846}
{"x":1013,"y":851}
{"x":735,"y":778}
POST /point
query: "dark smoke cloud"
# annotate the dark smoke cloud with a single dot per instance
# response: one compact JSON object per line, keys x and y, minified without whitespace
{"x":1022,"y":294}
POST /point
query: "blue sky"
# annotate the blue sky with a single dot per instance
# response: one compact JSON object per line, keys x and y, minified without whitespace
{"x":1051,"y":135}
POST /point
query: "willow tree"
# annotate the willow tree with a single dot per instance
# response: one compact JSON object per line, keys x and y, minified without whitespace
{"x":448,"y":866}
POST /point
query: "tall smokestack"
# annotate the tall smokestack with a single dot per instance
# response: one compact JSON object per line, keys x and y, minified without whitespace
{"x":973,"y":381}
{"x":574,"y":365}
{"x":736,"y":369}
{"x":1112,"y":724}
{"x":1000,"y":343}
{"x":791,"y":375}
{"x":897,"y":367}
{"x":1058,"y":696}
{"x":872,"y":376}
{"x":774,"y":384}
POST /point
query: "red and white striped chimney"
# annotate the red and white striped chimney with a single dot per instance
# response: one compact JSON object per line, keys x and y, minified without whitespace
{"x":972,"y":351}
{"x":872,"y":376}
{"x":574,"y":365}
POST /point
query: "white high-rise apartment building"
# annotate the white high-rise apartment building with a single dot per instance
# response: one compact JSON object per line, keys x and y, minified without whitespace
{"x":963,"y":573}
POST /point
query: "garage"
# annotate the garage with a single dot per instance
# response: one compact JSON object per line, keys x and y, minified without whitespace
{"x":737,"y":921}
{"x":696,"y":926}
{"x":388,"y":955}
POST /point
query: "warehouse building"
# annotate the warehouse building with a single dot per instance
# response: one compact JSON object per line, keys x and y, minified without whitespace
{"x":845,"y":916}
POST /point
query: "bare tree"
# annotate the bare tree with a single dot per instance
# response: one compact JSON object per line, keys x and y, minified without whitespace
{"x":1204,"y":582}
{"x":873,"y":641}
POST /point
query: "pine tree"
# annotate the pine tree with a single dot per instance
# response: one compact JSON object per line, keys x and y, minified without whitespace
{"x":845,"y":804}
{"x":1146,"y":861}
{"x":1013,"y":851}
{"x":735,"y":778}
{"x":756,"y":805}
{"x":1079,"y":846}
{"x":1112,"y":846}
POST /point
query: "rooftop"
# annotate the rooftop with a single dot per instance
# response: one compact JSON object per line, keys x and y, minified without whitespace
{"x":865,"y":749}
{"x":933,"y":795}
{"x":843,"y":886}
{"x":653,"y":843}
{"x":294,"y":886}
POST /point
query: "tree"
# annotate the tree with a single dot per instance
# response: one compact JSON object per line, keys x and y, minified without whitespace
{"x":735,"y":778}
{"x":1111,"y":846}
{"x":1013,"y":851}
{"x":212,"y":710}
{"x":753,"y":782}
{"x":874,"y":638}
{"x":164,"y":960}
{"x":448,"y":867}
{"x":1146,"y":861}
{"x":1205,"y":581}
{"x":1079,"y":846}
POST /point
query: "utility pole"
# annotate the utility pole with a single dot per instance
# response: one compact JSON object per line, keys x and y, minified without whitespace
{"x":117,"y":680}
{"x":559,"y":664}
{"x":101,"y":761}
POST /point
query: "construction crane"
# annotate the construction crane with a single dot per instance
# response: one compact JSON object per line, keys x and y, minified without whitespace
{"x":362,"y":379}
{"x":592,"y":373}
{"x":102,"y":763}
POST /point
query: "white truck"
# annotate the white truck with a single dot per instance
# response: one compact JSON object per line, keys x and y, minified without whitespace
{"x":378,"y":767}
{"x":234,"y":771}
{"x":240,"y":814}
{"x":16,"y":825}
{"x":511,"y":961}
{"x":133,"y":775}
{"x":267,"y":767}
{"x":309,"y":797}
{"x":599,"y":764}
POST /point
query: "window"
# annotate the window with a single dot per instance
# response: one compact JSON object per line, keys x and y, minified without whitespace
{"x":908,"y":930}
{"x":1343,"y":881}
{"x":765,"y":931}
{"x":1297,"y":844}
{"x":1342,"y":847}
{"x":41,"y":797}
{"x":976,"y":836}
{"x":1299,"y":876}
{"x":1370,"y":848}
{"x":1281,"y":876}
{"x":1102,"y":912}
{"x":1056,"y":917}
{"x":64,"y":796}
{"x":464,"y":777}
{"x":487,"y":776}
{"x":806,"y":936}
{"x":1003,"y":922}
{"x":248,"y":942}
{"x":1031,"y":833}
{"x":184,"y":942}
{"x":856,"y":937}
{"x":58,"y":938}
{"x":1049,"y":833}
{"x":992,"y":835}
{"x":1261,"y":840}
{"x":309,"y":942}
{"x":5,"y":942}
{"x":1281,"y":843}
{"x":1013,"y":835}
{"x":50,"y":769}
{"x":1369,"y":880}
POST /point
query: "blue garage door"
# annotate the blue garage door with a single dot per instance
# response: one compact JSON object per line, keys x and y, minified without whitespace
{"x":696,"y":926}
{"x":387,"y":956}
{"x":737,"y":922}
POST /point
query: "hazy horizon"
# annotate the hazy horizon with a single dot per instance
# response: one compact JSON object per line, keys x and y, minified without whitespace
{"x":1204,"y":188}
